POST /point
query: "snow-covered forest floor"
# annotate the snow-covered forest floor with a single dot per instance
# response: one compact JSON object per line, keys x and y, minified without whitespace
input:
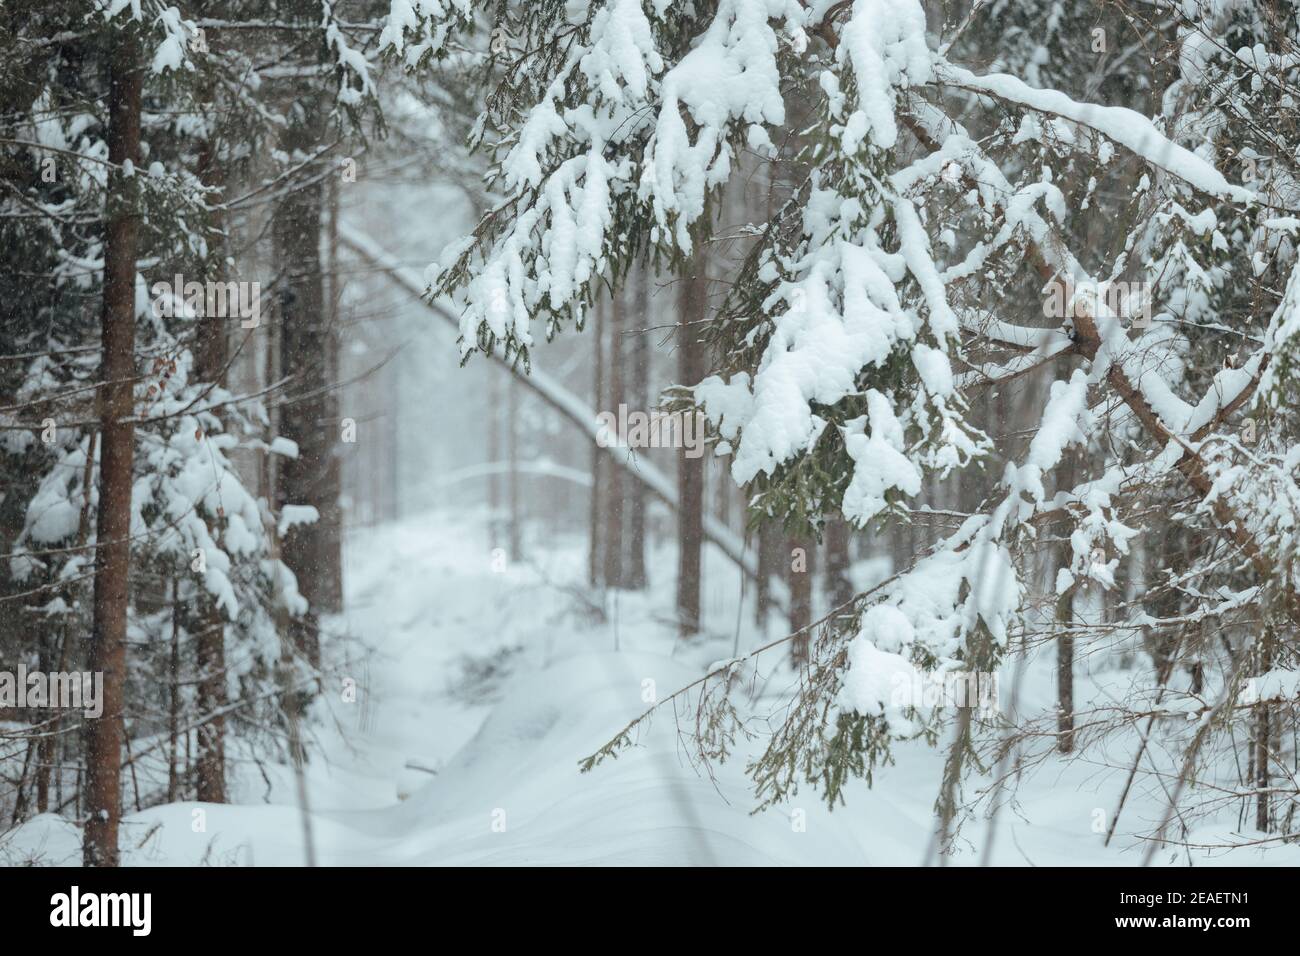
{"x":481,"y":688}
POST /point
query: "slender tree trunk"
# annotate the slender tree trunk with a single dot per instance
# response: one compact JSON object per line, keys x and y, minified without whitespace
{"x":1072,"y":471}
{"x":117,"y":451}
{"x":769,"y":568}
{"x":1065,"y":673}
{"x":495,"y":410}
{"x":45,"y":746}
{"x":1262,"y":768}
{"x":838,"y":584}
{"x":212,"y":354}
{"x":20,"y":794}
{"x":174,"y":701}
{"x":801,"y":554}
{"x":634,"y":571}
{"x":308,"y":353}
{"x":614,"y":478}
{"x":595,"y":554}
{"x":516,"y":516}
{"x":393,"y":434}
{"x":210,"y":768}
{"x":690,"y":471}
{"x":1262,"y":743}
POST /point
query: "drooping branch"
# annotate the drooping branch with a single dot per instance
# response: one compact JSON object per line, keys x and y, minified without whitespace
{"x":1051,"y":258}
{"x":554,"y":394}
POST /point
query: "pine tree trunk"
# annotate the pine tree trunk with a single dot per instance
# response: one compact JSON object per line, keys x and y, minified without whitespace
{"x":495,"y":403}
{"x":210,"y":767}
{"x":1262,"y":768}
{"x":614,"y":479}
{"x":310,"y":415}
{"x":212,"y":354}
{"x":516,"y":515}
{"x":1065,"y":673}
{"x":1262,"y":743}
{"x":769,"y":568}
{"x":596,"y":552}
{"x":45,"y":746}
{"x":690,"y":471}
{"x":634,"y":571}
{"x":801,"y":592}
{"x":117,"y":451}
{"x":174,"y":700}
{"x":1071,"y":471}
{"x":838,"y":584}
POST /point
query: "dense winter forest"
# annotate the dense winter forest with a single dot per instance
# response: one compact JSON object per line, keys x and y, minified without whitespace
{"x":649,"y":432}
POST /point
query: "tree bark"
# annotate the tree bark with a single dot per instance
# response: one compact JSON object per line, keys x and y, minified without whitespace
{"x":613,"y":519}
{"x":495,"y":411}
{"x":838,"y":584}
{"x":801,"y":567}
{"x":210,"y":767}
{"x":634,"y":570}
{"x":1065,"y":673}
{"x":769,"y":568}
{"x":1262,"y":743}
{"x":211,"y":356}
{"x":596,"y":552}
{"x":516,"y":515}
{"x":690,"y":471}
{"x":45,"y":747}
{"x":174,"y":699}
{"x":117,"y":452}
{"x":308,"y":355}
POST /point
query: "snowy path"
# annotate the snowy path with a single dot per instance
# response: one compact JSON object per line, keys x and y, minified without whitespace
{"x":507,"y":788}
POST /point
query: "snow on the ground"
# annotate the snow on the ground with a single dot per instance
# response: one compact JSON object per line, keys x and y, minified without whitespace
{"x":434,"y":764}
